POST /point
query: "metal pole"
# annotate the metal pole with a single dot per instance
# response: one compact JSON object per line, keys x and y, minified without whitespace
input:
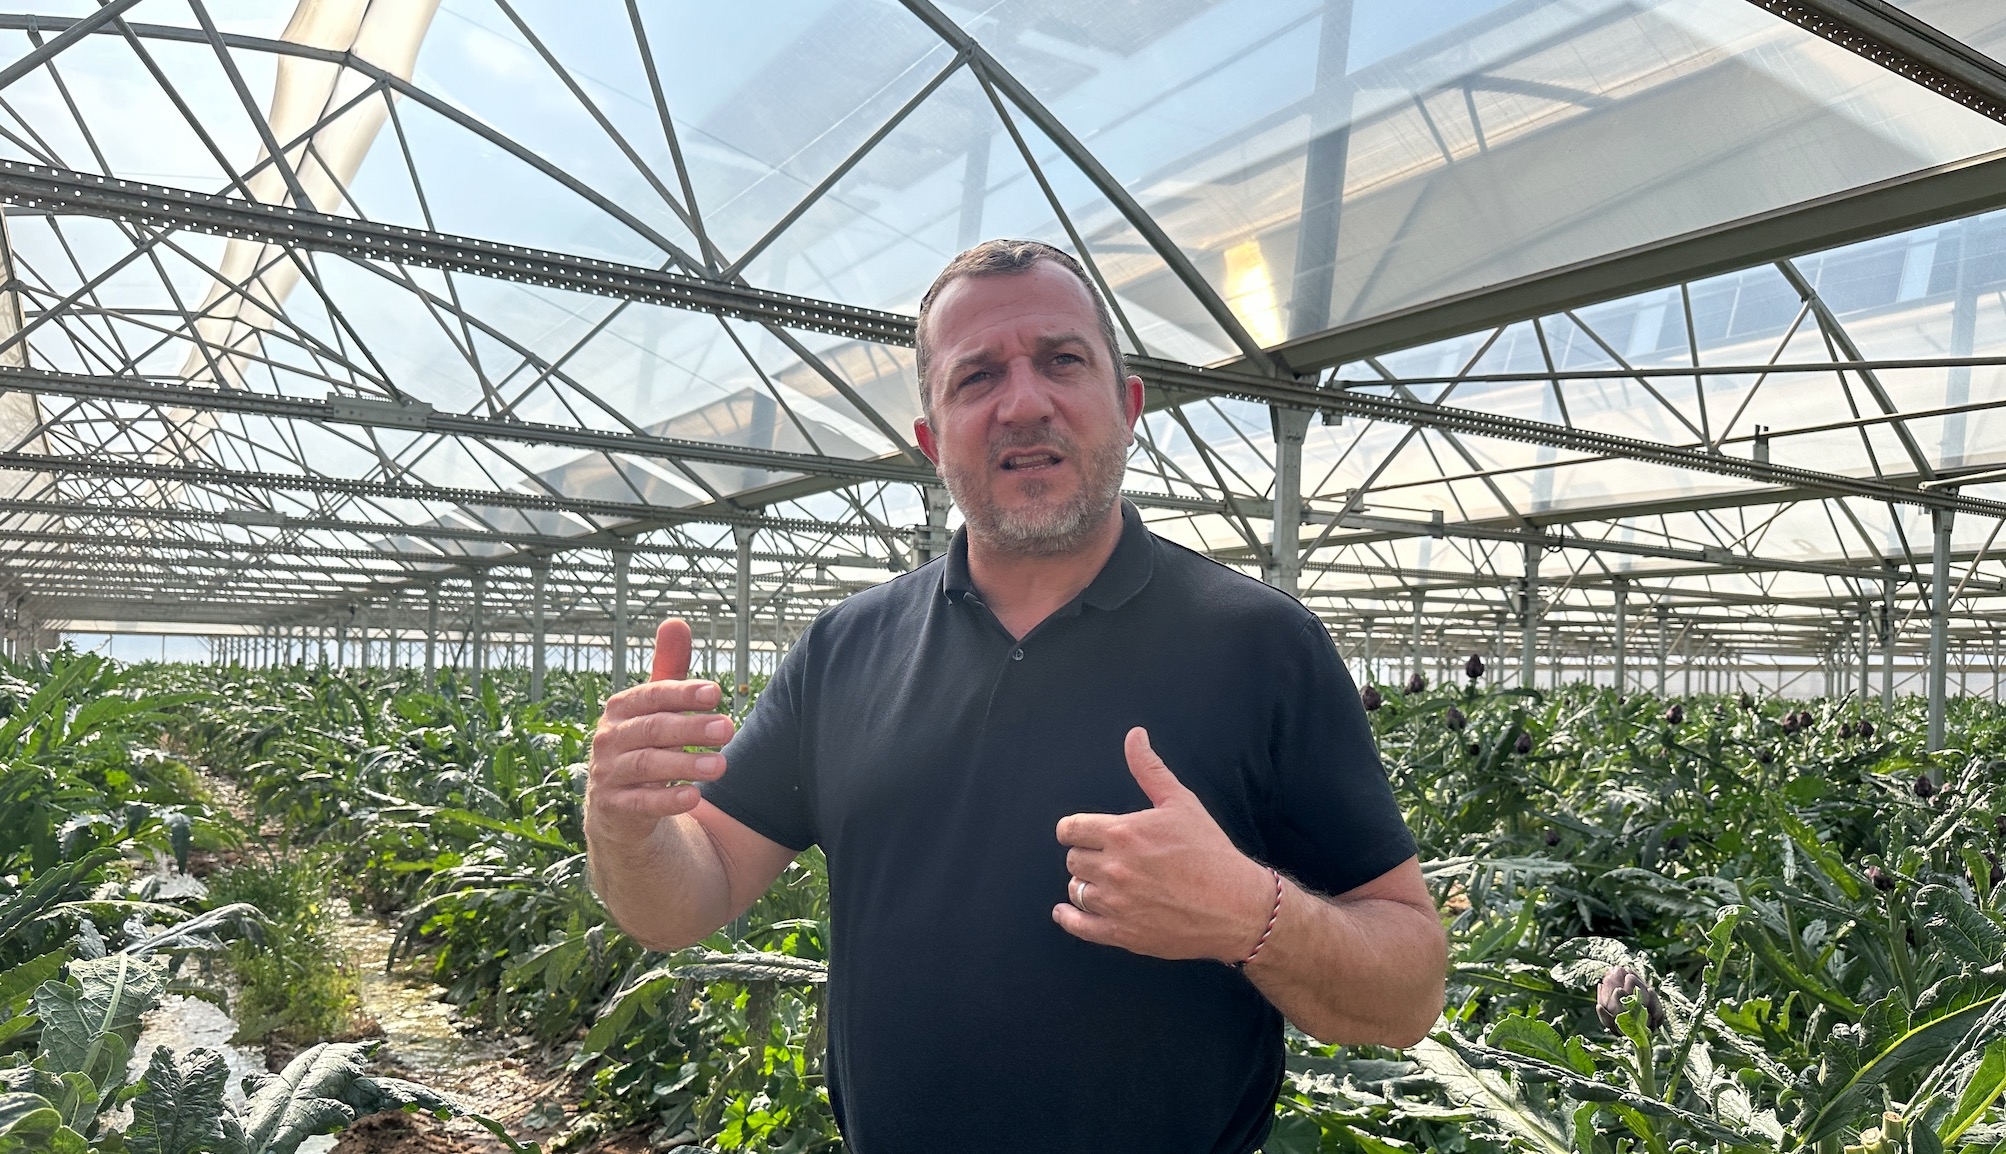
{"x":741,"y":670}
{"x":477,"y":632}
{"x":1887,"y":644}
{"x":1664,"y":646}
{"x":1939,"y":624}
{"x":1285,"y":539}
{"x":1622,"y":636}
{"x":431,"y":635}
{"x":1866,"y":650}
{"x":1528,"y":659}
{"x":1368,"y":679}
{"x":933,"y":536}
{"x":537,"y":574}
{"x":622,"y":558}
{"x":1414,"y":647}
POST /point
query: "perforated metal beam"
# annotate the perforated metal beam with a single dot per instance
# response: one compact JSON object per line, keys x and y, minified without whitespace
{"x":63,"y":191}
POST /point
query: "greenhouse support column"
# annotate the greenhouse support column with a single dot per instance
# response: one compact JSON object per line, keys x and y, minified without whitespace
{"x":1866,"y":650}
{"x":431,"y":635}
{"x":622,"y":559}
{"x":1528,"y":658}
{"x":1622,"y":636}
{"x":933,"y":536}
{"x":1285,"y":538}
{"x":1887,"y":643}
{"x":1368,"y":679}
{"x":537,"y":574}
{"x":1414,"y":647}
{"x":741,"y":631}
{"x":341,"y":641}
{"x":1664,"y":647}
{"x":477,"y":633}
{"x":1939,"y":624}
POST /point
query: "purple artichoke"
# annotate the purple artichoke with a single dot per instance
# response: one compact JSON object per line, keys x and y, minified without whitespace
{"x":1552,"y":836}
{"x":1616,"y":988}
{"x":1418,"y":683}
{"x":1924,"y":787}
{"x":1881,"y":879}
{"x":1789,"y":723}
{"x":1474,"y":667}
{"x":1524,"y":743}
{"x":1866,"y":729}
{"x":1747,"y":702}
{"x":1764,"y":757}
{"x":1473,"y":749}
{"x":1805,"y":720}
{"x":1372,"y":698}
{"x":1845,"y":730}
{"x":1454,"y":719}
{"x":1676,"y":715}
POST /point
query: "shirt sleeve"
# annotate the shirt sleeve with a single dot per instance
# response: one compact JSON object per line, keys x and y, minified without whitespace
{"x":1336,"y":826}
{"x":766,"y":763}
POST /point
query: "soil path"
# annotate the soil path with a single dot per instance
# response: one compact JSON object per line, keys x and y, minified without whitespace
{"x":422,"y":1039}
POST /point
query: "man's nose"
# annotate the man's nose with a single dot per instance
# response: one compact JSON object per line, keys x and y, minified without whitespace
{"x":1026,"y":396}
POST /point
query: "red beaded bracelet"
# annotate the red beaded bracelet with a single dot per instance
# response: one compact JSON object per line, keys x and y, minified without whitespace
{"x":1272,"y":916}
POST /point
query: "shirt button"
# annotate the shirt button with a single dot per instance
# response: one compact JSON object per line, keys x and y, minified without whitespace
{"x":1017,"y":655}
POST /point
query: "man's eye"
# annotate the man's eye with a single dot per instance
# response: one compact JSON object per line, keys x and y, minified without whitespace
{"x":975,"y":378}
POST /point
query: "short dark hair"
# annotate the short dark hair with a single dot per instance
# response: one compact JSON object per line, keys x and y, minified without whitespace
{"x":1008,"y":258}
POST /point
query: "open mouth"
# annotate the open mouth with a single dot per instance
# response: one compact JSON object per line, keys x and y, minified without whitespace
{"x":1030,"y":462}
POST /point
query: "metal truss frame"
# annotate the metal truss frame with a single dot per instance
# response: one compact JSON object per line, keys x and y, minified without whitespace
{"x":141,"y":492}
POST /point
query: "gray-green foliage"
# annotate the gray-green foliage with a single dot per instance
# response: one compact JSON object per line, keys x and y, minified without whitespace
{"x":60,"y":1100}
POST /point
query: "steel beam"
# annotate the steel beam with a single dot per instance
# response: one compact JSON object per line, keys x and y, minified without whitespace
{"x":383,"y":414}
{"x":741,"y":677}
{"x":64,"y":191}
{"x":1939,"y":625}
{"x":1910,"y":48}
{"x":626,"y":511}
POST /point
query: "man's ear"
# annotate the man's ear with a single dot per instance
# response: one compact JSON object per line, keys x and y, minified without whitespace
{"x":1131,"y":395}
{"x":922,"y":432}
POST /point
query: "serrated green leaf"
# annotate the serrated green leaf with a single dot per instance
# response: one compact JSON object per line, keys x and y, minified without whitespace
{"x":1490,"y":1093}
{"x":180,"y":1107}
{"x":320,"y":1091}
{"x":1958,"y":928}
{"x":90,"y":1022}
{"x":1980,"y":1091}
{"x":1531,"y":1037}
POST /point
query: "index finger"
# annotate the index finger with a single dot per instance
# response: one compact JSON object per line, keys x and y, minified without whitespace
{"x":1086,"y":830}
{"x":672,"y":651}
{"x":663,"y":697}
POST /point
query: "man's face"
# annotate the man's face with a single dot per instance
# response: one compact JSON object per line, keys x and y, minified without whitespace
{"x":1029,"y":429}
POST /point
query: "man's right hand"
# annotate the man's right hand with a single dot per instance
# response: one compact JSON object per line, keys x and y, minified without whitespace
{"x":641,"y":767}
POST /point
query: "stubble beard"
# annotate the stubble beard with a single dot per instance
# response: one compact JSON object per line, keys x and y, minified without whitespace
{"x":1036,"y":529}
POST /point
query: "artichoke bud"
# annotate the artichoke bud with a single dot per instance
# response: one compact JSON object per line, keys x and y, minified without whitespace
{"x":1372,"y":698}
{"x":1454,"y":719}
{"x":1474,"y":667}
{"x":1524,"y":743}
{"x":1615,"y":991}
{"x":1418,"y":683}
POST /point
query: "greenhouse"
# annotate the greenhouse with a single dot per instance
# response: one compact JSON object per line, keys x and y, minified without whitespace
{"x":1622,"y":383}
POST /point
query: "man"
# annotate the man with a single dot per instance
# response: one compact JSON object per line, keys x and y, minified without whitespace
{"x":1098,"y":811}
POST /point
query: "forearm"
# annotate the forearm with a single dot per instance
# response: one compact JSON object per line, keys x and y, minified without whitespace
{"x":669,"y":891}
{"x":1353,"y":972}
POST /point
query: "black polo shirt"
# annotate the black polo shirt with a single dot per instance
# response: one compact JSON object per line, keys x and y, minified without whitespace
{"x":932,"y":756}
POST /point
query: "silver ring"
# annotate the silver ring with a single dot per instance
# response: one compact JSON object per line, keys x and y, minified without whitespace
{"x":1079,"y":895}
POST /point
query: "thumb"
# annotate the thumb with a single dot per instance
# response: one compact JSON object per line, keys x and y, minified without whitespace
{"x":672,"y":651}
{"x":1151,"y":774}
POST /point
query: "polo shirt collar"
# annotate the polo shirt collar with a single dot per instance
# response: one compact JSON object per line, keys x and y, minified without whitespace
{"x":1127,"y":570}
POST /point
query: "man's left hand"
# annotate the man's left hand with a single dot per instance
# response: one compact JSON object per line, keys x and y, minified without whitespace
{"x":1165,"y":881}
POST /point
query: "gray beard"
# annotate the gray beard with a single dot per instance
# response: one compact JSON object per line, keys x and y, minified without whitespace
{"x":1048,"y":532}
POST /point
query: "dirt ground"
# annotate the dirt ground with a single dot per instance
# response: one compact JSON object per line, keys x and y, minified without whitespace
{"x":424,"y":1040}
